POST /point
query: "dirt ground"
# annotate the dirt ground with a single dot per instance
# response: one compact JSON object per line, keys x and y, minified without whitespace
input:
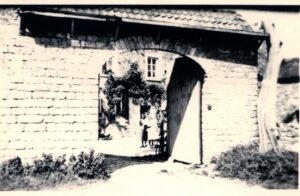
{"x":167,"y":178}
{"x":127,"y":146}
{"x":135,"y":171}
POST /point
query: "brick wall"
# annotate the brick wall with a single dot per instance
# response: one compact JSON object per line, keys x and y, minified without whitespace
{"x":49,"y":95}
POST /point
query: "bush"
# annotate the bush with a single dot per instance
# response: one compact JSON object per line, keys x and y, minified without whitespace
{"x":49,"y":172}
{"x":45,"y":167}
{"x":269,"y":170}
{"x":12,"y":167}
{"x":89,"y":166}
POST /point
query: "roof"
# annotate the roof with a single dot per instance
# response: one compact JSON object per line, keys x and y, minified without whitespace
{"x":289,"y":68}
{"x":206,"y":19}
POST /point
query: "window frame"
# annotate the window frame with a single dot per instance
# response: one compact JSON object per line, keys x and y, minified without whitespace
{"x":151,"y":67}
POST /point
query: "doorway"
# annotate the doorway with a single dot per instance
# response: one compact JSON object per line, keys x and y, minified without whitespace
{"x":184,"y":141}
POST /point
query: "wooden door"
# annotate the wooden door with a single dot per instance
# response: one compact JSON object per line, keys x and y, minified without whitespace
{"x":184,"y":111}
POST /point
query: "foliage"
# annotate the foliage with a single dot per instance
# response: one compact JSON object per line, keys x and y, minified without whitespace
{"x":269,"y":169}
{"x":131,"y":85}
{"x":49,"y":172}
{"x":46,"y":166}
{"x":89,"y":166}
{"x":12,"y":167}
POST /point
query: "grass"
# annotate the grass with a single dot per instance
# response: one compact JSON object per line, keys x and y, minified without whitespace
{"x":268,"y":169}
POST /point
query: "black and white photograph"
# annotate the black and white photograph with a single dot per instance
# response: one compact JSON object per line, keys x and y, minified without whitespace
{"x":149,"y":99}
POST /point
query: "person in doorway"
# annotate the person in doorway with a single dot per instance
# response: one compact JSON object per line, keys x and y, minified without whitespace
{"x":145,"y":126}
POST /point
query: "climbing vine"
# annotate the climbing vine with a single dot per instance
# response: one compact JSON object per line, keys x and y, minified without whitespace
{"x":132,"y":85}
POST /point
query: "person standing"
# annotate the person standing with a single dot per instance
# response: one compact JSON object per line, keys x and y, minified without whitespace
{"x":144,"y":126}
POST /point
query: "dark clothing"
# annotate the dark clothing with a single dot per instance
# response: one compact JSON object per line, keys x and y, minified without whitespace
{"x":145,"y":133}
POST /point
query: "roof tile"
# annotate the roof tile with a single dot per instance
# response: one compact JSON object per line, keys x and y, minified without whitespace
{"x":217,"y":19}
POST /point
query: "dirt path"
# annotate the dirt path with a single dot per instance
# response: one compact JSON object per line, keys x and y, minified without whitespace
{"x":139,"y":176}
{"x":165,"y":179}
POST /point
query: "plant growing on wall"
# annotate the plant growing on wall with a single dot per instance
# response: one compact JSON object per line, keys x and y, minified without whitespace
{"x":132,"y":85}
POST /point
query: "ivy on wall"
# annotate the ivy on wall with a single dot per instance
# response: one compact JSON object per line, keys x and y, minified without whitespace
{"x":132,"y":85}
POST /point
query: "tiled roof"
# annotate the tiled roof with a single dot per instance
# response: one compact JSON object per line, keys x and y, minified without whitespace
{"x":289,"y":68}
{"x":222,"y":20}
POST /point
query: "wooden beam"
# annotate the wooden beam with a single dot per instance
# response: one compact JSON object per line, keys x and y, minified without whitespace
{"x":158,"y":38}
{"x":145,"y":22}
{"x":22,"y":30}
{"x":117,"y":32}
{"x":60,"y":15}
{"x":72,"y":28}
{"x":260,"y":41}
{"x":187,"y":26}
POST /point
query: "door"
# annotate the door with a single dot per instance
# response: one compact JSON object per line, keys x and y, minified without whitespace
{"x":184,"y":111}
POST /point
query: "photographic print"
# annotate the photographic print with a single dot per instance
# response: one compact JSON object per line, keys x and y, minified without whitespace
{"x":149,"y":99}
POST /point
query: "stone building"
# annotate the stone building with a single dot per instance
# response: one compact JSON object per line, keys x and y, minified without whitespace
{"x":156,"y":67}
{"x":51,"y":58}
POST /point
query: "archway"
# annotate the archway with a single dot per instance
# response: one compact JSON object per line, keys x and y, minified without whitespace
{"x":184,"y":111}
{"x":183,"y":82}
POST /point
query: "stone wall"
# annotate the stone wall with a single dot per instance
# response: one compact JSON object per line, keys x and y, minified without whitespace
{"x":120,"y":66}
{"x":49,"y":95}
{"x":49,"y":90}
{"x":288,"y":102}
{"x":229,"y":106}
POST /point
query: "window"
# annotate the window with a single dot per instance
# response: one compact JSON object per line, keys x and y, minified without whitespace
{"x":106,"y":67}
{"x":151,"y":67}
{"x":122,"y":106}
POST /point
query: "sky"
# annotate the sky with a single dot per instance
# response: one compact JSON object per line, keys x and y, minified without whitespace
{"x":287,"y":26}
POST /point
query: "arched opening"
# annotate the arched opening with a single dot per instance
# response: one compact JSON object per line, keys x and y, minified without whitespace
{"x":184,"y":111}
{"x":182,"y":79}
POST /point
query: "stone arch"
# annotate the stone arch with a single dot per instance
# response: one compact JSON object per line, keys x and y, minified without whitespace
{"x":148,"y":43}
{"x":187,"y":79}
{"x":185,"y":111}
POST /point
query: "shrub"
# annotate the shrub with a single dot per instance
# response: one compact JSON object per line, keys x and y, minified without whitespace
{"x":270,"y":170}
{"x":12,"y":167}
{"x":49,"y":172}
{"x":47,"y":166}
{"x":89,"y":166}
